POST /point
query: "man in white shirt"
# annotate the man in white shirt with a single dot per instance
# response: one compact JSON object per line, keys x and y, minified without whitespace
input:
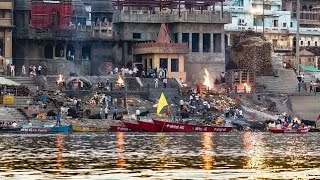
{"x":138,"y":114}
{"x":181,"y":104}
{"x":23,"y":70}
{"x":39,"y":69}
{"x":156,"y":83}
{"x":106,"y":112}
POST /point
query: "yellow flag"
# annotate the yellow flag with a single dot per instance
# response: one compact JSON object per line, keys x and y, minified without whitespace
{"x":162,"y":103}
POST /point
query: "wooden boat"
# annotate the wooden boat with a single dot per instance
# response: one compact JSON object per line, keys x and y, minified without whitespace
{"x":286,"y":130}
{"x":9,"y":129}
{"x":119,"y":128}
{"x":133,"y":126}
{"x":149,"y":126}
{"x":314,"y":130}
{"x":46,"y":129}
{"x":182,"y":127}
{"x":88,"y":129}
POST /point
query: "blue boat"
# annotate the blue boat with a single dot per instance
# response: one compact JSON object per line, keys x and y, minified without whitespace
{"x":46,"y":129}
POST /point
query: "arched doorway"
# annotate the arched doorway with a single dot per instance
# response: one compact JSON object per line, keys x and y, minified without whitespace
{"x":48,"y":51}
{"x":70,"y":52}
{"x":294,"y":41}
{"x":59,"y":50}
{"x":55,"y":18}
{"x":86,"y":52}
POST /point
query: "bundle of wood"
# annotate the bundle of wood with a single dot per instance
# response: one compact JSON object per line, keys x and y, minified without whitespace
{"x":23,"y":90}
{"x":250,"y":51}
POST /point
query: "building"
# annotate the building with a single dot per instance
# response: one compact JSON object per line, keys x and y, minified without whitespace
{"x":278,"y":20}
{"x":6,"y":26}
{"x":103,"y":36}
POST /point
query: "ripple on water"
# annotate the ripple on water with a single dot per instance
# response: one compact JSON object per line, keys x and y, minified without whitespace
{"x":163,"y":156}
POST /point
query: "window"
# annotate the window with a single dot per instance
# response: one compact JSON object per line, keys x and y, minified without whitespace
{"x":136,"y":35}
{"x":206,"y":42}
{"x":308,"y":43}
{"x":291,"y":24}
{"x":217,"y":43}
{"x":275,"y":23}
{"x":195,"y":42}
{"x":284,"y":25}
{"x":185,"y":38}
{"x":2,"y":13}
{"x":316,"y":43}
{"x":176,"y":37}
{"x":174,"y":65}
{"x":301,"y":43}
{"x":1,"y":47}
{"x":240,"y":3}
{"x":129,"y":50}
{"x":164,"y":63}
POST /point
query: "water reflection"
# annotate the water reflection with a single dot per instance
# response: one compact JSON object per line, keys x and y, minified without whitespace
{"x":121,"y":148}
{"x":254,"y":146}
{"x":60,"y":144}
{"x":207,"y":154}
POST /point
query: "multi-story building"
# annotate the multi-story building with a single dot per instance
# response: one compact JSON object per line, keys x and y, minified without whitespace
{"x":107,"y":35}
{"x":280,"y":23}
{"x":6,"y":25}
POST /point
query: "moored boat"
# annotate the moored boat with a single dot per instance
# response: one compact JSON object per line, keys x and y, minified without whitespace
{"x":9,"y":129}
{"x":133,"y":126}
{"x":88,"y":129}
{"x":119,"y":128}
{"x":149,"y":126}
{"x":182,"y":127}
{"x":287,"y":130}
{"x":46,"y":129}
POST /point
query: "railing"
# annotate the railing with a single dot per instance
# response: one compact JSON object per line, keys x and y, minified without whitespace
{"x":162,"y":45}
{"x":5,"y":22}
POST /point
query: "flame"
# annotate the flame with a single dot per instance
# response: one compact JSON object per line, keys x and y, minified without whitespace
{"x":61,"y":79}
{"x":120,"y":81}
{"x":247,"y":87}
{"x":207,"y":79}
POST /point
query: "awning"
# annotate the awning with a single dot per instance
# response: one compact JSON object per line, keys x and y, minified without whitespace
{"x":8,"y":82}
{"x":309,"y":68}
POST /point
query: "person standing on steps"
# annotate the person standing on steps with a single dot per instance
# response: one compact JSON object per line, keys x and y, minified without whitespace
{"x":23,"y":70}
{"x":156,"y":83}
{"x":115,"y":113}
{"x":165,"y":81}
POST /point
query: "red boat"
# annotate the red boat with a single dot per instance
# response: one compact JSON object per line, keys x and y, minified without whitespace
{"x":133,"y":126}
{"x":181,"y":127}
{"x":300,"y":130}
{"x":119,"y":128}
{"x":149,"y":126}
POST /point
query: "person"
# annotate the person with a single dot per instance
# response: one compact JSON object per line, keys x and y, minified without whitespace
{"x":311,"y":86}
{"x":181,"y":104}
{"x":106,"y":112}
{"x":12,"y":67}
{"x":240,"y":113}
{"x":14,"y":124}
{"x":101,"y":113}
{"x":165,"y":81}
{"x":81,"y":84}
{"x":115,"y":113}
{"x":23,"y":70}
{"x":138,"y":114}
{"x":58,"y":119}
{"x":29,"y":123}
{"x":39,"y":69}
{"x":156,"y":84}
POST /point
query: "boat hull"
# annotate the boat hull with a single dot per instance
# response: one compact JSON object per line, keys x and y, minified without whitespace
{"x":88,"y":129}
{"x":6,"y":130}
{"x":300,"y":130}
{"x":39,"y":129}
{"x":181,"y":127}
{"x":119,"y":128}
{"x":133,"y":126}
{"x":149,"y":126}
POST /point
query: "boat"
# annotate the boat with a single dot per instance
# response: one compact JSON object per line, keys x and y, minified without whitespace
{"x":149,"y":126}
{"x":134,"y":126}
{"x":119,"y":128}
{"x":88,"y":129}
{"x":46,"y":129}
{"x":182,"y":127}
{"x":9,"y":129}
{"x":287,"y":130}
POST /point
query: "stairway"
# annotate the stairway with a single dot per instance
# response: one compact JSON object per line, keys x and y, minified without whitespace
{"x":27,"y":81}
{"x":8,"y":114}
{"x":286,"y":82}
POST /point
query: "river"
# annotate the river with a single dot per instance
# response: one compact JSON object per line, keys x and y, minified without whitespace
{"x":235,"y":155}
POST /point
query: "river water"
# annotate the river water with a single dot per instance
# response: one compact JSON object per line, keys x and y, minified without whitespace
{"x":235,"y":155}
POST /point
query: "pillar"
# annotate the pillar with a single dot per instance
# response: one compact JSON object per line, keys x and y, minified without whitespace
{"x":190,"y":42}
{"x":200,"y":42}
{"x":64,"y":52}
{"x":77,"y":50}
{"x":223,"y":42}
{"x":211,"y":43}
{"x":179,"y":37}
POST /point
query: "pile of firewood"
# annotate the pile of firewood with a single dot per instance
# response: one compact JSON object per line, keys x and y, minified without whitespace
{"x":251,"y":51}
{"x":23,"y":90}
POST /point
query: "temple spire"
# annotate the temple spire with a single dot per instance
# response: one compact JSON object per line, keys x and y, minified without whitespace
{"x":163,"y":35}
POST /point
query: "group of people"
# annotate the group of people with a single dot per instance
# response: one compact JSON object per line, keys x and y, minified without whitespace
{"x":8,"y":124}
{"x":124,"y":71}
{"x":160,"y":73}
{"x":285,"y":121}
{"x":33,"y":70}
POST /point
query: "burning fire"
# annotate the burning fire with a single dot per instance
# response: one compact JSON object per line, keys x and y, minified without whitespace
{"x":247,"y":87}
{"x":120,"y":81}
{"x":60,"y":79}
{"x":207,"y":80}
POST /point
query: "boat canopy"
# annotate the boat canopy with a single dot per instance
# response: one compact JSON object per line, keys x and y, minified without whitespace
{"x":309,"y":68}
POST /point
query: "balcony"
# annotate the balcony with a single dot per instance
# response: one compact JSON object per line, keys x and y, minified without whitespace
{"x":7,"y":4}
{"x":160,"y":48}
{"x":6,"y":22}
{"x":188,"y":17}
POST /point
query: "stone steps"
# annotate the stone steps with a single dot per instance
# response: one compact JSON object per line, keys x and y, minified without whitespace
{"x":27,"y":81}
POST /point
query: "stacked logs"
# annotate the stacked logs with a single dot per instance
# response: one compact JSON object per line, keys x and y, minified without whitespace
{"x":251,"y":51}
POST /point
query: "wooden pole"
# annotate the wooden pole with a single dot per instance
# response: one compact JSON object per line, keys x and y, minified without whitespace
{"x":298,"y":37}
